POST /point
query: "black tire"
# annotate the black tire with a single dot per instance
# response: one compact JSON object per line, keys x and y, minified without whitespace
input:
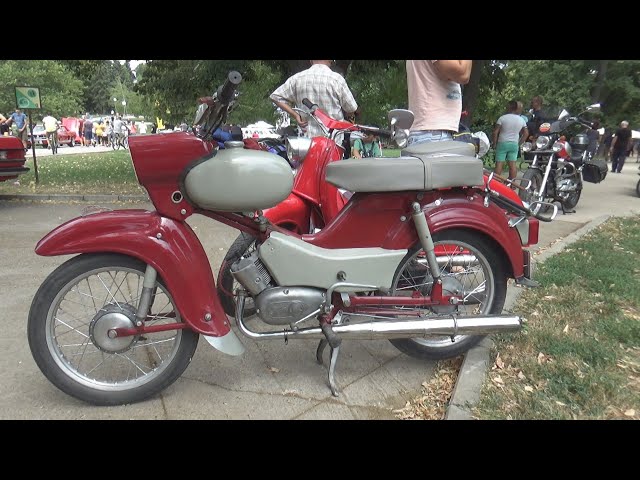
{"x":57,"y":365}
{"x":115,"y":143}
{"x":638,"y":188}
{"x":440,"y":348}
{"x":225,"y":279}
{"x":72,"y":142}
{"x":527,"y":195}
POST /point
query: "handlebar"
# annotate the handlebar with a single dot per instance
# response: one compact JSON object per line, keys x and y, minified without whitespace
{"x":226,"y":91}
{"x":307,"y":103}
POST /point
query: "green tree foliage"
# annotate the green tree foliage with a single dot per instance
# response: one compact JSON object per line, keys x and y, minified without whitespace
{"x":173,"y":86}
{"x":60,"y":90}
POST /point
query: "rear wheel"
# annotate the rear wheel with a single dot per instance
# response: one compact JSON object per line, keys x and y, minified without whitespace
{"x":68,"y":331}
{"x":469,"y":264}
{"x":638,"y":188}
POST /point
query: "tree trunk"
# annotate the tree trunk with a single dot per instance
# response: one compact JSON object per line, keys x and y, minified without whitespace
{"x":600,"y":79}
{"x":472,"y":89}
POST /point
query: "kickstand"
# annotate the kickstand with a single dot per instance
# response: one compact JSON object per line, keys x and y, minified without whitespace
{"x":323,"y":343}
{"x":334,"y":342}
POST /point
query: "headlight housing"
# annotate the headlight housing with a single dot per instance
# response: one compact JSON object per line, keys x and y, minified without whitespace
{"x":557,"y":146}
{"x":542,"y":142}
{"x":297,"y":148}
{"x":526,"y":147}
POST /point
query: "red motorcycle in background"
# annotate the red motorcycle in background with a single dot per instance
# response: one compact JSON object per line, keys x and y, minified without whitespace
{"x":314,"y":202}
{"x":420,"y":255}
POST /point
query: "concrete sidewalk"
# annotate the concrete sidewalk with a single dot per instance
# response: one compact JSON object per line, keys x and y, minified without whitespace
{"x":271,"y":380}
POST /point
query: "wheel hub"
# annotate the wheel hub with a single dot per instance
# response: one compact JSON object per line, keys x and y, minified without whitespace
{"x":450,"y":286}
{"x":109,"y":317}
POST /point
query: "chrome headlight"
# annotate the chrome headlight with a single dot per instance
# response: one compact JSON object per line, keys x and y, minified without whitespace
{"x":557,"y":146}
{"x":527,"y":146}
{"x":297,"y":148}
{"x":542,"y":142}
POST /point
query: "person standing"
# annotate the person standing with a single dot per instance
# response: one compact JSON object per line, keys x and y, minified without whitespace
{"x":88,"y":132}
{"x":323,"y":87}
{"x":435,"y":97}
{"x":594,"y":138}
{"x":510,"y":132}
{"x":19,"y":119}
{"x":538,"y":117}
{"x":4,"y":126}
{"x":81,"y":130}
{"x":620,"y":146}
{"x":51,"y":126}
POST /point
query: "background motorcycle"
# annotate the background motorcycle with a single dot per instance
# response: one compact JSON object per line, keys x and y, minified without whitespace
{"x":555,"y":172}
{"x":314,"y":202}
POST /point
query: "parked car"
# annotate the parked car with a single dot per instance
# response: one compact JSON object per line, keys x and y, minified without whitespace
{"x":65,"y":136}
{"x":12,"y":158}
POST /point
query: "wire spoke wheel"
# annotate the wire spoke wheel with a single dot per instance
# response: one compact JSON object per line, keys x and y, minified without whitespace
{"x":71,"y":332}
{"x":469,"y":269}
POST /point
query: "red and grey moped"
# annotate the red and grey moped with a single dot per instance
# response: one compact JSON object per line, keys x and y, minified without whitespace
{"x":120,"y":321}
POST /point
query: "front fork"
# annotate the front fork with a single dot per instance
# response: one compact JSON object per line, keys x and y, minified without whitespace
{"x":146,"y":296}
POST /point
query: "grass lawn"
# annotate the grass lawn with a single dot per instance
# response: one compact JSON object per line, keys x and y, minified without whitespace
{"x":578,"y":356}
{"x":92,"y":173}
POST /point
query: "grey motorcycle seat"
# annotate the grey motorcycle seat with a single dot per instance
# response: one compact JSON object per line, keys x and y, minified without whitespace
{"x":405,"y":173}
{"x":431,"y":148}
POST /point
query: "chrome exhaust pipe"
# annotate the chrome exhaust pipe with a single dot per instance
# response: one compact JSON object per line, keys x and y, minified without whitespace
{"x":462,"y":260}
{"x":385,"y":329}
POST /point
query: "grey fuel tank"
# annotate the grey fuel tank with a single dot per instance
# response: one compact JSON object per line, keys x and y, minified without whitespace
{"x":238,"y":179}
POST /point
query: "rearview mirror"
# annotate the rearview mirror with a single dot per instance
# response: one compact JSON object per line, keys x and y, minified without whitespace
{"x":563,"y":114}
{"x":593,"y":108}
{"x":401,"y":119}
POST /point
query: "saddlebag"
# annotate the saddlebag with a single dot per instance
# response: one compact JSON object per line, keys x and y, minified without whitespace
{"x":594,"y":171}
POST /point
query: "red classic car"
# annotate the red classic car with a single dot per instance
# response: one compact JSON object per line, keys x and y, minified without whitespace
{"x":12,"y":158}
{"x":65,"y":136}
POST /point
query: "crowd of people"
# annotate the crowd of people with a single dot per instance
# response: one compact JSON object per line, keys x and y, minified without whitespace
{"x":91,"y":131}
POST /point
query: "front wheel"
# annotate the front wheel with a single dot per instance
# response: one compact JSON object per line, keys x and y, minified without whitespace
{"x":69,"y":323}
{"x":470,"y":264}
{"x":529,"y":195}
{"x":638,"y":188}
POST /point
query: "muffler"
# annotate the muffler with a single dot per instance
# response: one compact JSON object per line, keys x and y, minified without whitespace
{"x":386,"y":329}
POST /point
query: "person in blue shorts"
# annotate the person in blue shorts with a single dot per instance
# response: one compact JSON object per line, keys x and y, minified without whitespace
{"x":510,"y":132}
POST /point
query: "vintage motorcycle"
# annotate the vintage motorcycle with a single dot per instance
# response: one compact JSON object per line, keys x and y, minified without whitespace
{"x":120,"y":322}
{"x":558,"y":166}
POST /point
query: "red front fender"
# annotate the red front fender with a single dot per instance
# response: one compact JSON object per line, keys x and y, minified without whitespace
{"x":291,"y":212}
{"x":171,"y":247}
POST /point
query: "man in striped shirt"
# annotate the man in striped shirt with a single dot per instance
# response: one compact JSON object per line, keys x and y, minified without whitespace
{"x":321,"y":86}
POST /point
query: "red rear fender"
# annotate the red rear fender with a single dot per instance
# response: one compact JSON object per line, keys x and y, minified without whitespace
{"x":171,"y":247}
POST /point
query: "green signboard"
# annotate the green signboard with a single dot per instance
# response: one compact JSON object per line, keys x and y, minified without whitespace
{"x":27,"y":97}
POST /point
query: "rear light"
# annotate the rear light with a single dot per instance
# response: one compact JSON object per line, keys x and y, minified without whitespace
{"x":534,"y":230}
{"x":13,"y":154}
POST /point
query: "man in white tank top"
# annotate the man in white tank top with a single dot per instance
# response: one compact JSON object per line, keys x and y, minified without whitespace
{"x":510,"y":132}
